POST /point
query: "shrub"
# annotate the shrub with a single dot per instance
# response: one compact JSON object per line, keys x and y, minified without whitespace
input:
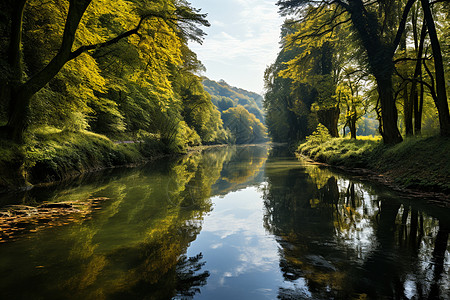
{"x":319,"y":136}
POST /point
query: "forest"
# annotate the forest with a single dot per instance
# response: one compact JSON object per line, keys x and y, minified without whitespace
{"x":86,"y":84}
{"x":82,"y":76}
{"x":128,"y":171}
{"x":373,"y":67}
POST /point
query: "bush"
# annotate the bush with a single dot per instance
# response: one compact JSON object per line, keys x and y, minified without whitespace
{"x":319,"y":136}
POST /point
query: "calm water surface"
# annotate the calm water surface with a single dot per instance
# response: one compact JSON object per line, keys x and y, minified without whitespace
{"x":228,"y":223}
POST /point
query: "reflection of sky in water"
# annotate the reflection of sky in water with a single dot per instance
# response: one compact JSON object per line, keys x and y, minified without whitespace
{"x":244,"y":259}
{"x":238,"y":251}
{"x":325,"y":242}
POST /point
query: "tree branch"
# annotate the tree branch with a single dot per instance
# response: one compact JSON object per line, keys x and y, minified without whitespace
{"x":401,"y":26}
{"x":99,"y":46}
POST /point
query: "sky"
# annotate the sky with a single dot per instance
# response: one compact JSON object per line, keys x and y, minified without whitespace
{"x":241,"y":42}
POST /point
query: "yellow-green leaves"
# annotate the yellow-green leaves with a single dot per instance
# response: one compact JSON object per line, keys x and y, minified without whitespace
{"x":136,"y":83}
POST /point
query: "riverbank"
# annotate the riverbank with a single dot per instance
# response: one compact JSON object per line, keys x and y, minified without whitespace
{"x":58,"y":156}
{"x":416,"y":165}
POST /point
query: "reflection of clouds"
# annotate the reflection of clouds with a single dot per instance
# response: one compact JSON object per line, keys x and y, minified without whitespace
{"x":229,"y":224}
{"x":215,"y":246}
{"x":241,"y":232}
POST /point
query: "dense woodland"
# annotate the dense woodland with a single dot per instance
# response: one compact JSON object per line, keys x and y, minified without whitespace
{"x":76,"y":75}
{"x":359,"y":65}
{"x":241,"y":111}
{"x":120,"y":69}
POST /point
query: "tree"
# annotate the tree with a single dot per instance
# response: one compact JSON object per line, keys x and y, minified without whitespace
{"x":353,"y":104}
{"x":374,"y":23}
{"x":288,"y":101}
{"x":316,"y":64}
{"x":176,"y":14}
{"x":441,"y":99}
{"x":198,"y":110}
{"x":245,"y":127}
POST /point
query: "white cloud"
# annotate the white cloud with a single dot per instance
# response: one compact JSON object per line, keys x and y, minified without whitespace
{"x":242,"y":40}
{"x":216,"y":23}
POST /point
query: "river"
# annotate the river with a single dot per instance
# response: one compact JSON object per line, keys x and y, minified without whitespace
{"x":226,"y":223}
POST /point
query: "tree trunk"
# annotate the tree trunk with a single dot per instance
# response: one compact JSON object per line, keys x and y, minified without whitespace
{"x":15,"y":63}
{"x":418,"y":114}
{"x":18,"y":120}
{"x":329,"y":114}
{"x":22,"y":93}
{"x":380,"y":56}
{"x":389,"y":116}
{"x":329,"y":118}
{"x":408,"y":112}
{"x":15,"y":43}
{"x":441,"y":102}
{"x":407,"y":100}
{"x":352,"y":126}
{"x":417,"y":106}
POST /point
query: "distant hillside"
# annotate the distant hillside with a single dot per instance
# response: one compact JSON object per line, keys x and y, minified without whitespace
{"x":225,"y":96}
{"x":241,"y":111}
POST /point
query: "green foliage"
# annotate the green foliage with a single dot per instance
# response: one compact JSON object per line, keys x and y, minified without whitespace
{"x":339,"y":151}
{"x":225,"y":96}
{"x":420,"y":163}
{"x":57,"y":155}
{"x":12,"y":173}
{"x":288,"y":104}
{"x":144,"y":82}
{"x":319,"y":136}
{"x":245,"y":127}
{"x":240,"y":110}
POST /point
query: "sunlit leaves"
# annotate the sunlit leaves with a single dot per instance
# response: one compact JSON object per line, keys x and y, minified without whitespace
{"x":123,"y":70}
{"x":320,"y":26}
{"x":245,"y":127}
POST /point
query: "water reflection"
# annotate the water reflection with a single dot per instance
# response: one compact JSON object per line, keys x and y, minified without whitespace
{"x":133,"y":247}
{"x":233,"y":222}
{"x":134,"y":244}
{"x":339,"y":240}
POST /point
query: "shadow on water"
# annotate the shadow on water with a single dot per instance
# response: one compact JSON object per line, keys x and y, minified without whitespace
{"x":343,"y":239}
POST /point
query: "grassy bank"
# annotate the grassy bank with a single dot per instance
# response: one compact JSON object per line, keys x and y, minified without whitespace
{"x":56,"y":155}
{"x":417,"y":163}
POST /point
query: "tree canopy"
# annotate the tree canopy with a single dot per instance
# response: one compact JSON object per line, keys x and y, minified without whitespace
{"x":347,"y":62}
{"x":119,"y":68}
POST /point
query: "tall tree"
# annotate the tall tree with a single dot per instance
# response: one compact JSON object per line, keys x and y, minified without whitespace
{"x":441,"y":101}
{"x":373,"y":21}
{"x":177,"y":14}
{"x":288,"y":101}
{"x":316,"y":63}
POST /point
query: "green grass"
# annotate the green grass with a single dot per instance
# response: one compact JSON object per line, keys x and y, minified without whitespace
{"x":50,"y":154}
{"x":420,"y":163}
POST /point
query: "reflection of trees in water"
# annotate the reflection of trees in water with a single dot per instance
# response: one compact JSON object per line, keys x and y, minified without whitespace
{"x":241,"y":169}
{"x":188,"y":281}
{"x":339,"y":241}
{"x":161,"y":214}
{"x":134,"y":246}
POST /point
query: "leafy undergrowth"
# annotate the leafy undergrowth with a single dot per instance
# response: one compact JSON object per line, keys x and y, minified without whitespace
{"x":11,"y":165}
{"x":417,"y":163}
{"x":54,"y":155}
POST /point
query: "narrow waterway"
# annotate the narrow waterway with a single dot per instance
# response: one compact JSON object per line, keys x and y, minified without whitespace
{"x":228,"y":223}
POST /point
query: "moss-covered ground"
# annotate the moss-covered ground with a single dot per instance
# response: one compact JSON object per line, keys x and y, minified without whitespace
{"x":416,"y":163}
{"x":54,"y":155}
